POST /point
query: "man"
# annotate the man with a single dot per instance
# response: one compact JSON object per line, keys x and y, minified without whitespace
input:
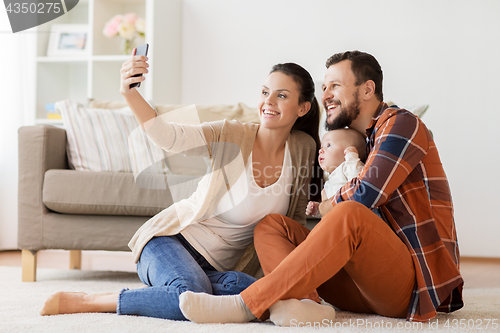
{"x":401,"y":262}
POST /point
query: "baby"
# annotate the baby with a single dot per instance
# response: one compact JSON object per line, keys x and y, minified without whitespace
{"x":339,"y":155}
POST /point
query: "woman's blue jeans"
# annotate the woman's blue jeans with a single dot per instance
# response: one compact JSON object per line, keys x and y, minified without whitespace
{"x":170,"y":266}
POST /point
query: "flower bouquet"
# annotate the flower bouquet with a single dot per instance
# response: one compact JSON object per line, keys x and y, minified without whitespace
{"x":128,"y":27}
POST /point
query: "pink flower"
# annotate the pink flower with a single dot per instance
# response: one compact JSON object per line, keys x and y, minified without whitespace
{"x":126,"y":26}
{"x":111,"y":28}
{"x":131,"y":18}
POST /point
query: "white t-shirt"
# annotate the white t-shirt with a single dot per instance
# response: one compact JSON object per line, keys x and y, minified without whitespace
{"x":223,"y":238}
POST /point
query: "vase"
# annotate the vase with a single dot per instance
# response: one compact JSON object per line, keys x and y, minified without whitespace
{"x":127,"y":46}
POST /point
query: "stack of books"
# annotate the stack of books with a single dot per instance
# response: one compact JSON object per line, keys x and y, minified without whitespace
{"x":51,"y":112}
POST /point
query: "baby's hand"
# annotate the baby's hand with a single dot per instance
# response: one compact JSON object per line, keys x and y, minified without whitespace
{"x":312,"y":208}
{"x":350,"y":149}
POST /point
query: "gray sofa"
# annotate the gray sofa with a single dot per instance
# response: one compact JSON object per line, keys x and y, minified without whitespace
{"x":60,"y":208}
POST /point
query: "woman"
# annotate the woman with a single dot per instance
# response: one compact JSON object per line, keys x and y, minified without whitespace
{"x":255,"y":170}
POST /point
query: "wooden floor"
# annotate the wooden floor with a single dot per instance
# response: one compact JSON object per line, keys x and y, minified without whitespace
{"x":477,"y":272}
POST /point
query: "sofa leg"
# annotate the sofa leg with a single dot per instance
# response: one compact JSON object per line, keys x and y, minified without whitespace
{"x":28,"y":266}
{"x":75,"y":259}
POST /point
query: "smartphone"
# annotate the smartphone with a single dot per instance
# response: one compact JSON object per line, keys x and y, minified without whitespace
{"x":142,"y":50}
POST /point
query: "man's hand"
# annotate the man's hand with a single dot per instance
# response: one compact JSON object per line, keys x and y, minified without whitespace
{"x":325,"y":207}
{"x":312,"y":208}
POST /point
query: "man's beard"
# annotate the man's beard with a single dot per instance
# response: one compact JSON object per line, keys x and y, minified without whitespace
{"x":346,"y":115}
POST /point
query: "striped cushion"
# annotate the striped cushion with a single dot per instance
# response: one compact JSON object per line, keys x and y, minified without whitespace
{"x":107,"y":140}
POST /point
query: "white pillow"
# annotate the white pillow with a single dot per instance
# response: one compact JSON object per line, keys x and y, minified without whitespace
{"x":107,"y":140}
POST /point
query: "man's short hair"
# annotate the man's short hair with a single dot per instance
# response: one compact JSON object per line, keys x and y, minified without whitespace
{"x":364,"y":66}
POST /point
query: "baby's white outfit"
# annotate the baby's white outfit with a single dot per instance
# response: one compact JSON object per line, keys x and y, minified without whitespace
{"x":349,"y":169}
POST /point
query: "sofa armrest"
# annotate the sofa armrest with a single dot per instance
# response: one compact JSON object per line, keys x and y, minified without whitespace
{"x":41,"y":148}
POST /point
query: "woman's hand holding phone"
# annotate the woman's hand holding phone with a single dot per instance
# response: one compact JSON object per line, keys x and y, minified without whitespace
{"x":133,"y":69}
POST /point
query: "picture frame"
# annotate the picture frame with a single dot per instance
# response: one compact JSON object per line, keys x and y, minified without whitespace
{"x":68,"y":39}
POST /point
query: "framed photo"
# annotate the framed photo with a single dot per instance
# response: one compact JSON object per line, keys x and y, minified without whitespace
{"x":68,"y":39}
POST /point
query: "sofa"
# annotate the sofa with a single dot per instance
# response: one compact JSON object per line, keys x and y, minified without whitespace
{"x":65,"y":207}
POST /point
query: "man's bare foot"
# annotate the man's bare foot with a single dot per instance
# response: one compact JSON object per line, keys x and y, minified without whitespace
{"x":68,"y":302}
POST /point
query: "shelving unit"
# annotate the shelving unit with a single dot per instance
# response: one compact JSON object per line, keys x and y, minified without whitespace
{"x":96,"y":74}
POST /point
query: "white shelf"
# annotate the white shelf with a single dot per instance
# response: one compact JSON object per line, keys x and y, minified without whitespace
{"x":96,"y":75}
{"x":111,"y":58}
{"x":54,"y":59}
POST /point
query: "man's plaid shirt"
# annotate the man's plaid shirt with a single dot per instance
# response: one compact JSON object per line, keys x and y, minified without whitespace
{"x":404,"y":177}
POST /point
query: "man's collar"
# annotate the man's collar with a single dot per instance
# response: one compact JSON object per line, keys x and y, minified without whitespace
{"x":375,"y":118}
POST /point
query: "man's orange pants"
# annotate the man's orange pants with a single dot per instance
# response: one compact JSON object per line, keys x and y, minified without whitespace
{"x":351,"y":258}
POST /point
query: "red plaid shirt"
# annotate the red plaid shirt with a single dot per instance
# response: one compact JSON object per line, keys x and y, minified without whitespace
{"x":404,"y":178}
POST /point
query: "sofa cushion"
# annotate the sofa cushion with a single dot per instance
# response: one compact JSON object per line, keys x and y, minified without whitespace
{"x":107,"y":140}
{"x":112,"y":193}
{"x":177,"y":163}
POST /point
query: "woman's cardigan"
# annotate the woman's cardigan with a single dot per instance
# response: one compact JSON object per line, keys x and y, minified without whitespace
{"x":226,"y":144}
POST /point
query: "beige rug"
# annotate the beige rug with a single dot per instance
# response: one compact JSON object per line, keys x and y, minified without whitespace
{"x":20,"y":303}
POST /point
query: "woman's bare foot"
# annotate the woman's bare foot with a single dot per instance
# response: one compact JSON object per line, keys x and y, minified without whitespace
{"x":68,"y":302}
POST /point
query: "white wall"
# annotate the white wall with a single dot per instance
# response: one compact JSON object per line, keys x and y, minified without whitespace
{"x":438,"y":52}
{"x":443,"y":53}
{"x":12,"y":99}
